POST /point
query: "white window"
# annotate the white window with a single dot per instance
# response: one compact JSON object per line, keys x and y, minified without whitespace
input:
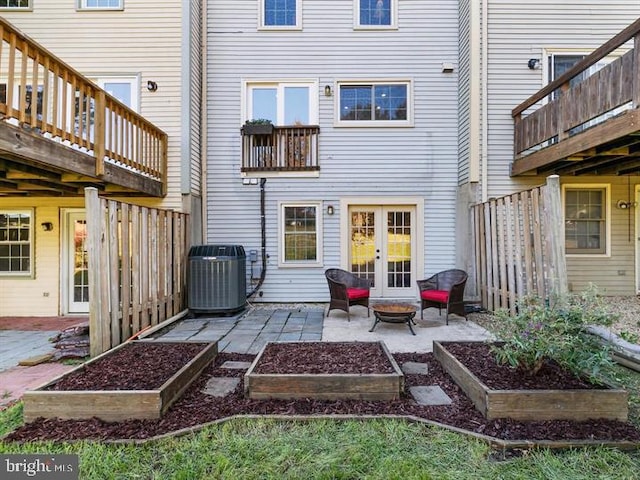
{"x":280,"y":14}
{"x":17,"y":4}
{"x":586,"y":219}
{"x":102,"y":4}
{"x":375,"y":103}
{"x":300,"y":234}
{"x":284,"y":103}
{"x":125,"y":89}
{"x":16,"y":242}
{"x":375,"y":14}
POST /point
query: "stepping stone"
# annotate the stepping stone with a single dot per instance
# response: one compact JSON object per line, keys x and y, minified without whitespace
{"x":31,"y":361}
{"x":237,"y":365}
{"x":415,"y":368}
{"x":220,"y":386}
{"x":432,"y":395}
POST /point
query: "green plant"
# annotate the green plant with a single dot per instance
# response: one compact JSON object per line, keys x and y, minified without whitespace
{"x":540,"y":332}
{"x":258,"y":121}
{"x":630,"y":336}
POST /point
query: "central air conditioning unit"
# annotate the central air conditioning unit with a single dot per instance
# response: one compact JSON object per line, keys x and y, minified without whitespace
{"x":217,"y":280}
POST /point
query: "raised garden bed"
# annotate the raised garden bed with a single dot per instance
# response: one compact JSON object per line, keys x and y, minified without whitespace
{"x":120,"y":384}
{"x":380,"y":378}
{"x":580,"y":402}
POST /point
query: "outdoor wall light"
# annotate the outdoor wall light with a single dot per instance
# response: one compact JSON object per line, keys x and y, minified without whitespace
{"x":328,"y":91}
{"x":447,"y":67}
{"x":47,"y":226}
{"x":621,"y":204}
{"x":330,"y":210}
{"x":533,"y":63}
{"x":152,"y":86}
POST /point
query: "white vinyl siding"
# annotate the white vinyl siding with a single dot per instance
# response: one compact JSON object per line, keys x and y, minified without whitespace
{"x":125,"y":42}
{"x":385,"y":163}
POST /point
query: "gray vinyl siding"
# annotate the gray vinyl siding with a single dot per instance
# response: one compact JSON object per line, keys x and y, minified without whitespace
{"x":518,"y":32}
{"x":464,"y":75}
{"x":144,"y":39}
{"x":378,"y":162}
{"x":193,"y":98}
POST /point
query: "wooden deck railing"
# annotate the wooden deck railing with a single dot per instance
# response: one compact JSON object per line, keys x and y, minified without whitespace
{"x":615,"y":85}
{"x":40,"y":91}
{"x":293,"y":148}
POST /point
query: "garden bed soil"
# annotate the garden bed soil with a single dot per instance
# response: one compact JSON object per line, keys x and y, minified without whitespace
{"x":195,"y":408}
{"x":289,"y":370}
{"x":501,"y":391}
{"x":137,"y":380}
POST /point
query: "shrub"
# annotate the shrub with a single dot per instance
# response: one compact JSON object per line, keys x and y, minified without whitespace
{"x":539,"y":333}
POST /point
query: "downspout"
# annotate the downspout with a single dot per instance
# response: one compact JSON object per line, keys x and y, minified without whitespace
{"x":485,"y":101}
{"x":263,"y":232}
{"x":203,"y":120}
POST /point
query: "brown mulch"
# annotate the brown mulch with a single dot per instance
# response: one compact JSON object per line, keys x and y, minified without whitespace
{"x":40,"y":323}
{"x":195,"y":408}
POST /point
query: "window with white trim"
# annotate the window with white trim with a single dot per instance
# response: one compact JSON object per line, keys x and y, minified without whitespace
{"x":281,"y":14}
{"x":102,"y":4}
{"x":284,"y":103}
{"x":585,"y":220}
{"x":375,"y":103}
{"x":16,"y":242}
{"x":17,"y":4}
{"x":372,"y":14}
{"x":300,"y":239}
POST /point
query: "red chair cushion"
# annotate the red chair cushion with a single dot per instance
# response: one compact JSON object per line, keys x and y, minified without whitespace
{"x":356,"y":293}
{"x":441,"y":296}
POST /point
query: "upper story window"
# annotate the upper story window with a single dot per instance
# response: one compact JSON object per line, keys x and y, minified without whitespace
{"x":16,"y":238}
{"x":18,"y":4}
{"x":280,"y":14}
{"x":375,"y":104}
{"x":375,"y":14}
{"x":284,"y":103}
{"x":102,"y":4}
{"x":585,"y":219}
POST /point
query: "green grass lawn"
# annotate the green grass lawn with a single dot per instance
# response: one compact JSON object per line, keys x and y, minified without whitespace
{"x":327,"y":449}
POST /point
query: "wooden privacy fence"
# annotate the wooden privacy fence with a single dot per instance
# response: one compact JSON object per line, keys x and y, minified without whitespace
{"x":519,"y":246}
{"x":137,"y":268}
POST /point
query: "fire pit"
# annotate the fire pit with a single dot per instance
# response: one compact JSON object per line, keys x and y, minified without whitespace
{"x":394,"y":313}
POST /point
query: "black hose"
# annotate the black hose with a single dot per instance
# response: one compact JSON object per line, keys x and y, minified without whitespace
{"x":263,"y":230}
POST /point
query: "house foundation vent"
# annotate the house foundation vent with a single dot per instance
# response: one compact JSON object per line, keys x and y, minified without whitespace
{"x":217,"y":278}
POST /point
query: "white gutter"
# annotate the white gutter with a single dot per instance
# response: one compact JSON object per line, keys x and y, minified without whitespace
{"x":474,"y":91}
{"x":203,"y":121}
{"x":485,"y":101}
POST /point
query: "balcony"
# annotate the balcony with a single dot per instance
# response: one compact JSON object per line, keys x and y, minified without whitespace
{"x":589,"y":128}
{"x":59,"y":132}
{"x":286,"y":150}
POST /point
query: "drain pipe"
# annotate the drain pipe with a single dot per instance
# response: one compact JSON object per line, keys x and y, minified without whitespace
{"x":263,"y":231}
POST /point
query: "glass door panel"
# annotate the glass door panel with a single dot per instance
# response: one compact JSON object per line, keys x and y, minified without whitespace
{"x":78,"y":264}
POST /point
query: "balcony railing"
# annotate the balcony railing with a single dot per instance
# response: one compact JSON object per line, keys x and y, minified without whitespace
{"x":570,"y":110}
{"x":40,"y":91}
{"x":286,"y":149}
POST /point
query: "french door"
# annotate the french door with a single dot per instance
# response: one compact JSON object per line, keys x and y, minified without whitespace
{"x":382,"y":248}
{"x":77,"y":266}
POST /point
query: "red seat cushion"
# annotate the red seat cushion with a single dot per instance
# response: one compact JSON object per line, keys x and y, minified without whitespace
{"x":356,"y":293}
{"x":441,"y":296}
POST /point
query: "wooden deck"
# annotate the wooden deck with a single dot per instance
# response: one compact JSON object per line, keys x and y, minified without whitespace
{"x":590,"y":128}
{"x":67,"y":133}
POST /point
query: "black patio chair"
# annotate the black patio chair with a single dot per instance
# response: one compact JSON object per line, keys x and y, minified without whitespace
{"x":347,"y":289}
{"x":444,"y":290}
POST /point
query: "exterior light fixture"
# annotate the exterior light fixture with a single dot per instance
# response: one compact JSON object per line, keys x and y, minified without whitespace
{"x":152,"y":86}
{"x":447,"y":67}
{"x":328,"y":91}
{"x":330,"y":210}
{"x":622,"y":205}
{"x":533,"y":63}
{"x":47,"y":226}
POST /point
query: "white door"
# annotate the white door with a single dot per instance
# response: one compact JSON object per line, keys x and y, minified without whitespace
{"x":382,"y":248}
{"x":77,"y":267}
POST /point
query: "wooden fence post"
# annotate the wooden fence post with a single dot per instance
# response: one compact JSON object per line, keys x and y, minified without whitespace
{"x":94,"y":243}
{"x":554,"y":238}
